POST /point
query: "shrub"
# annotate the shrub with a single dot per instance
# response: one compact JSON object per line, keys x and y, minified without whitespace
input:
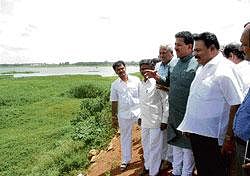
{"x":92,"y":125}
{"x":93,"y":105}
{"x":86,"y":91}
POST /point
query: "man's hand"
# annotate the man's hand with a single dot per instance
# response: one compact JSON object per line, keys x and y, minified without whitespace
{"x":163,"y":126}
{"x":246,"y":166}
{"x":152,"y":74}
{"x":114,"y":122}
{"x":228,"y":146}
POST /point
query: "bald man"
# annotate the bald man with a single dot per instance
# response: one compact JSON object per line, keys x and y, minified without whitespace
{"x":241,"y":126}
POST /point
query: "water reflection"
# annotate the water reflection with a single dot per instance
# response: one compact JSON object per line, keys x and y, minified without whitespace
{"x":49,"y":71}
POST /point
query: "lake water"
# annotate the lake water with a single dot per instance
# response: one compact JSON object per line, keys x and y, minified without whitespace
{"x":74,"y":70}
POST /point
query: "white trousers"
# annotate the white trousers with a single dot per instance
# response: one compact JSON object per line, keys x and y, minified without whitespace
{"x":167,"y":149}
{"x":152,"y":140}
{"x":183,"y":161}
{"x":126,"y":126}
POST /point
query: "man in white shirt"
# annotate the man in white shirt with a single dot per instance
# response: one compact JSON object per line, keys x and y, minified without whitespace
{"x":162,"y":72}
{"x":208,"y":118}
{"x":152,"y":120}
{"x":125,"y":108}
{"x":234,"y":53}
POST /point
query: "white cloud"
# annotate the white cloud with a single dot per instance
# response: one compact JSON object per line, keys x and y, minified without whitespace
{"x":94,"y":30}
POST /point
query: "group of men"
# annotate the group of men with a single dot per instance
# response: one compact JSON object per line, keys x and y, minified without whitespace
{"x":192,"y":109}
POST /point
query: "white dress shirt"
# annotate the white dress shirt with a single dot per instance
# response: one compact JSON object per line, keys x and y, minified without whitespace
{"x":152,"y":104}
{"x":244,"y":71}
{"x":214,"y":89}
{"x":127,"y":95}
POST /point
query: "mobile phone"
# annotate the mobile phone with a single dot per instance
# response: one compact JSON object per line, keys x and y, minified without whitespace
{"x":247,"y":153}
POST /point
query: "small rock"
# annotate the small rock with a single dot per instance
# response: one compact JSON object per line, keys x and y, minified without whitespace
{"x":80,"y":174}
{"x":118,"y":132}
{"x":92,"y":153}
{"x":110,"y":147}
{"x":93,"y":159}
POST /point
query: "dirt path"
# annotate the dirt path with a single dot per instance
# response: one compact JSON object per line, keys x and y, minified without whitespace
{"x":108,"y":162}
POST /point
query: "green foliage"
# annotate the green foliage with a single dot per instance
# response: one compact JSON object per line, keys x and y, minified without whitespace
{"x":88,"y":91}
{"x":93,"y":131}
{"x":38,"y":118}
{"x":93,"y":105}
{"x":92,"y":125}
{"x":85,"y":91}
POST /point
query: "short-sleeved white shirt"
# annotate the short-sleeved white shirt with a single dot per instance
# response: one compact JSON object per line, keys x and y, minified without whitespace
{"x":214,"y":89}
{"x":127,"y":95}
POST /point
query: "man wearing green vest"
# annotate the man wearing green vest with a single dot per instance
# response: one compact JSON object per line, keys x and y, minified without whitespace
{"x":181,"y":77}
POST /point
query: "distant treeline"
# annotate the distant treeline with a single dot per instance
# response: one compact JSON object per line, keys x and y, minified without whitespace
{"x":105,"y":63}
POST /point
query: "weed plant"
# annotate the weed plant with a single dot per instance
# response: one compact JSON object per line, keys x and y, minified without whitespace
{"x":48,"y":124}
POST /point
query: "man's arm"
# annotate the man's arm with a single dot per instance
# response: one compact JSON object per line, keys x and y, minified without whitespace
{"x":232,"y":113}
{"x":157,"y":77}
{"x":165,"y":112}
{"x":228,"y":145}
{"x":114,"y":106}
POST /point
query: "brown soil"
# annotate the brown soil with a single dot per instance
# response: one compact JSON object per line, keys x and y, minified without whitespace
{"x":108,"y":162}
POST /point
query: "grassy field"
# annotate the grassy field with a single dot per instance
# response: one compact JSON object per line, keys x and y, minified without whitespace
{"x":36,"y":128}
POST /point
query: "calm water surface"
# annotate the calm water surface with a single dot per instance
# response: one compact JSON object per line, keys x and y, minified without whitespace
{"x":49,"y":71}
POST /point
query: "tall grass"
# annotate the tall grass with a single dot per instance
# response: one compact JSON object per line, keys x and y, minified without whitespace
{"x":44,"y":129}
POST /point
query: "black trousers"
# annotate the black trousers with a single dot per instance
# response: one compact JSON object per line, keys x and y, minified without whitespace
{"x":207,"y":156}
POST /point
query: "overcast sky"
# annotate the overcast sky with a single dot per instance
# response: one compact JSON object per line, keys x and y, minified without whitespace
{"x":54,"y":31}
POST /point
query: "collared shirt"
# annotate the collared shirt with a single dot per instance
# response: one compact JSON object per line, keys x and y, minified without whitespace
{"x":163,"y":70}
{"x":127,"y":95}
{"x":152,"y":104}
{"x":214,"y":89}
{"x":241,"y":126}
{"x":244,"y":71}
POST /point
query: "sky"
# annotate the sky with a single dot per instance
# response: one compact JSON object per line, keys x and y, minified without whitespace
{"x":55,"y":31}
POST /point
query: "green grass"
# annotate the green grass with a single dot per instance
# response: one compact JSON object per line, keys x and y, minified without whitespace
{"x":35,"y":125}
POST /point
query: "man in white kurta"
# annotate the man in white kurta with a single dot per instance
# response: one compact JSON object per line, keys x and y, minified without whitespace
{"x":213,"y":91}
{"x":125,"y":106}
{"x":152,"y":105}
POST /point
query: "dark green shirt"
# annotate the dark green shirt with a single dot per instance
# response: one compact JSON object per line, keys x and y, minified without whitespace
{"x":181,"y":77}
